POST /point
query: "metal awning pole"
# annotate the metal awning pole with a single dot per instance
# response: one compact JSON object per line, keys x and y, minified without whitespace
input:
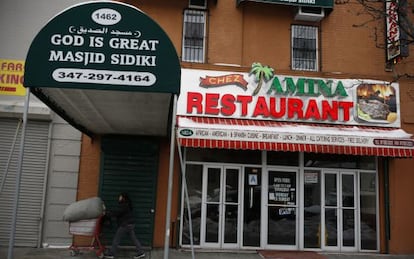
{"x":3,"y":180}
{"x":18,"y":175}
{"x":187,"y":199}
{"x":170,"y":180}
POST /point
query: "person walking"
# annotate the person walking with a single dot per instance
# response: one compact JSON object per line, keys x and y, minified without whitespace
{"x":126,"y":225}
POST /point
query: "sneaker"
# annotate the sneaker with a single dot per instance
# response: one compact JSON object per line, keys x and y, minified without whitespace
{"x":139,"y":254}
{"x":108,"y":255}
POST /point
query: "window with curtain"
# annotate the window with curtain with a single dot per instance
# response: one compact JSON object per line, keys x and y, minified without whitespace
{"x":304,"y":48}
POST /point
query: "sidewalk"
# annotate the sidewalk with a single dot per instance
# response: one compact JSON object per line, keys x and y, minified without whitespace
{"x":60,"y":253}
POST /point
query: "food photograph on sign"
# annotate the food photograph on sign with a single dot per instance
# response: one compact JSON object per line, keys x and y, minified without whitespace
{"x":376,"y":103}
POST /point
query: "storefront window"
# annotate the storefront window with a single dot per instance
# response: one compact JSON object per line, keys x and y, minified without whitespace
{"x":348,"y":209}
{"x":312,"y":209}
{"x":232,"y":202}
{"x":224,"y":155}
{"x":282,"y":208}
{"x":283,"y":158}
{"x":213,"y":204}
{"x":331,"y":225}
{"x":368,"y":206}
{"x":331,"y":210}
{"x":194,"y":185}
{"x":231,"y":206}
{"x":339,"y":161}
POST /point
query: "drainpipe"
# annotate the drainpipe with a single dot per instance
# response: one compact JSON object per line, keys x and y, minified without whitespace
{"x":18,"y":175}
{"x":386,"y":203}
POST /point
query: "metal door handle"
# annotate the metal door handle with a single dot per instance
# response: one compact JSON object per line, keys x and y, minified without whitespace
{"x":251,"y":198}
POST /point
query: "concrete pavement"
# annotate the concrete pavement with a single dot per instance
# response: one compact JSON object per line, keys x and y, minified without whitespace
{"x":61,"y":253}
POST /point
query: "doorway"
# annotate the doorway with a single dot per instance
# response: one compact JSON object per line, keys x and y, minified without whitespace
{"x":282,"y":208}
{"x":339,"y":215}
{"x":252,"y":207}
{"x":221,"y":207}
{"x":130,"y":165}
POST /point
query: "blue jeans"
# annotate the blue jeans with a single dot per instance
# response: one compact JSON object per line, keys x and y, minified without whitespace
{"x":120,"y":232}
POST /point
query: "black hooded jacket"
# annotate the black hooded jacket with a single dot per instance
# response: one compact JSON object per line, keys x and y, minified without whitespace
{"x":123,"y":213}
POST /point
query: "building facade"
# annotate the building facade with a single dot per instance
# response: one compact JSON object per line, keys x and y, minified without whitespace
{"x":320,"y":176}
{"x":49,"y":176}
{"x":292,"y":133}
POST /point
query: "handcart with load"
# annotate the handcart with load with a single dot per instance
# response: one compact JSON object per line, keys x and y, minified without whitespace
{"x":85,"y":218}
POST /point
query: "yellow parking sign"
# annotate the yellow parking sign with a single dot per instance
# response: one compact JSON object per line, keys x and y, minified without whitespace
{"x":11,"y":77}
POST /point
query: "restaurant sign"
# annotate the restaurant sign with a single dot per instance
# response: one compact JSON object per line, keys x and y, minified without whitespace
{"x":393,"y":30}
{"x":263,"y":95}
{"x":103,"y":45}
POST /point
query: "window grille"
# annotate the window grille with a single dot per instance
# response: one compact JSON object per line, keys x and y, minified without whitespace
{"x":304,"y":48}
{"x":194,"y":36}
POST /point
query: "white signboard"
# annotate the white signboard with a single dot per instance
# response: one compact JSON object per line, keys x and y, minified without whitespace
{"x":297,"y":135}
{"x":288,"y":98}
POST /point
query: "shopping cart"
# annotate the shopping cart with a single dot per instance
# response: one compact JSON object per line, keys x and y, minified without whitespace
{"x":91,"y":228}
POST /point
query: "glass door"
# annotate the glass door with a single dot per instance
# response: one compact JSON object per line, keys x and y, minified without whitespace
{"x":221,"y":207}
{"x":282,"y":208}
{"x":252,"y":207}
{"x":231,"y":208}
{"x":339,"y":205}
{"x":312,"y":209}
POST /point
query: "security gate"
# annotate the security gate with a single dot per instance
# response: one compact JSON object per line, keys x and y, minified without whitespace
{"x":32,"y":183}
{"x":131,"y":165}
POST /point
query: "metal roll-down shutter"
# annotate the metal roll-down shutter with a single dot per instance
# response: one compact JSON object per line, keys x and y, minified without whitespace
{"x":32,"y":182}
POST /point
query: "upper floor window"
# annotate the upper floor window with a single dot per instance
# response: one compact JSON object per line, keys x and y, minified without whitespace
{"x":194,"y":35}
{"x":197,"y":4}
{"x":304,"y":48}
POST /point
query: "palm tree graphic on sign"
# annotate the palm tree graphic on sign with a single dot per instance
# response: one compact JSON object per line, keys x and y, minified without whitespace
{"x":261,"y":73}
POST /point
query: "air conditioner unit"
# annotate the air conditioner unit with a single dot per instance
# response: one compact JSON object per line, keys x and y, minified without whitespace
{"x":310,"y":14}
{"x":199,"y":4}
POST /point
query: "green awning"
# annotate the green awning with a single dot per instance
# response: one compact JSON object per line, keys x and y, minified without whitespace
{"x":309,"y":3}
{"x":107,"y":68}
{"x":106,"y":46}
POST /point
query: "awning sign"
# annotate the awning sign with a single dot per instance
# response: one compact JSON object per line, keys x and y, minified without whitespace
{"x":322,"y":138}
{"x":103,"y":45}
{"x":264,"y":95}
{"x":208,"y":132}
{"x":11,"y":77}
